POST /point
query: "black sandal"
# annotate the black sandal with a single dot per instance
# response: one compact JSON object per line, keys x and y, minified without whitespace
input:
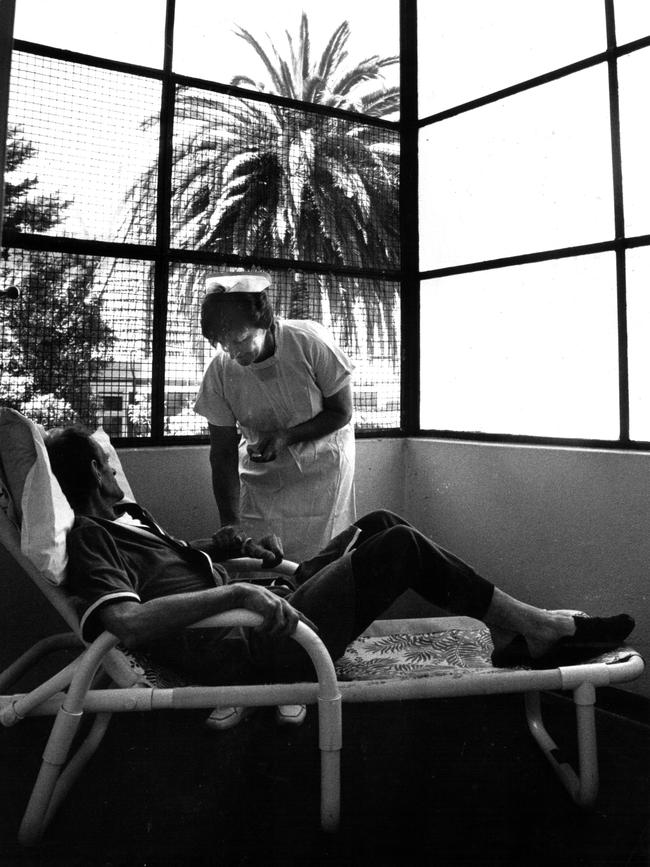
{"x":592,"y":637}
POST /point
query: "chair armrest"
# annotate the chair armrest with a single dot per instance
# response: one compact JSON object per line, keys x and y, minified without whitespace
{"x":304,"y":635}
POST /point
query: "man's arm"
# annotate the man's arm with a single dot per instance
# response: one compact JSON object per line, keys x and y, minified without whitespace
{"x":136,"y":623}
{"x":336,"y":413}
{"x":224,"y":461}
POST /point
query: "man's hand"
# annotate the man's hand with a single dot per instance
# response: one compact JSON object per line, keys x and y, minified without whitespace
{"x":268,"y":550}
{"x":231,"y":541}
{"x":270,"y":445}
{"x":280,"y":618}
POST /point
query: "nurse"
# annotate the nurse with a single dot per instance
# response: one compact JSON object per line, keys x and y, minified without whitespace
{"x":286,"y":387}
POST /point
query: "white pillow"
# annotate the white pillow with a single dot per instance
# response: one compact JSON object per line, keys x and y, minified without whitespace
{"x":39,"y":504}
{"x":43,"y":511}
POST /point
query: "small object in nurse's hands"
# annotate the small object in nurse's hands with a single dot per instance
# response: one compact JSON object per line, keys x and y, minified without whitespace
{"x":252,"y":549}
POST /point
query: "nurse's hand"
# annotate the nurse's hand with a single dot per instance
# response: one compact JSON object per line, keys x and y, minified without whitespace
{"x":269,"y":447}
{"x":229,"y":541}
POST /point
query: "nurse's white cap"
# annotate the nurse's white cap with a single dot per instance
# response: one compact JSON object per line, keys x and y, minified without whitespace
{"x":237,"y":281}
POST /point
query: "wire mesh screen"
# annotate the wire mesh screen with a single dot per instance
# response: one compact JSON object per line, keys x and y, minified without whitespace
{"x":362,"y":315}
{"x":251,"y":178}
{"x":75,"y":344}
{"x":83,"y":145}
{"x":247,"y":179}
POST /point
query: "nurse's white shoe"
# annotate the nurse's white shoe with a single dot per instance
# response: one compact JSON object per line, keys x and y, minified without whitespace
{"x":290,"y":714}
{"x":223,"y":718}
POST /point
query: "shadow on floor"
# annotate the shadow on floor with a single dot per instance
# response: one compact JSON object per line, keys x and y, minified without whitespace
{"x":445,"y":782}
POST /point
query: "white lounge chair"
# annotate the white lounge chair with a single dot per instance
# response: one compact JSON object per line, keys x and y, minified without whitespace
{"x":394,"y":660}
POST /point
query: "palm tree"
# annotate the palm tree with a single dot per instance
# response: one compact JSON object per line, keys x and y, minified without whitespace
{"x":258,"y":179}
{"x":326,"y":82}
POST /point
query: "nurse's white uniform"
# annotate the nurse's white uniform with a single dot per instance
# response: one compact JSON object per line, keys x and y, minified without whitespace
{"x":306,"y":495}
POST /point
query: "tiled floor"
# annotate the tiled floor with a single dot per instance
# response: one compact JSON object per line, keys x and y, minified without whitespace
{"x":454,"y":782}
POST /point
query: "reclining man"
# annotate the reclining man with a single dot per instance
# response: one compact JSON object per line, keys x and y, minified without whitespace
{"x":146,"y":587}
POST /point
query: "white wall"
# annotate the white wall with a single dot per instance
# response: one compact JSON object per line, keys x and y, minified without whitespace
{"x":555,"y":526}
{"x":559,"y":527}
{"x":174,"y":483}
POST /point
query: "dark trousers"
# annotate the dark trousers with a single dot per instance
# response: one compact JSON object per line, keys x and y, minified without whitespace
{"x":388,"y":557}
{"x":391,"y":556}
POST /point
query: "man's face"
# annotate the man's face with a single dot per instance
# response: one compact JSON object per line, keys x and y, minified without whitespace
{"x":111,"y":490}
{"x":244,"y":345}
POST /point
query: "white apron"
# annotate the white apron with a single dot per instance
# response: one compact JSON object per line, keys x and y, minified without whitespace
{"x":306,"y":495}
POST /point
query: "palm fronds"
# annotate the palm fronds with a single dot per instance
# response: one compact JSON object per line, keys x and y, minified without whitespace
{"x":256,"y":179}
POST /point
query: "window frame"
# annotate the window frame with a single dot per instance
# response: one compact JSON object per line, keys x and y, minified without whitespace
{"x":408,"y":275}
{"x":161,"y":254}
{"x":619,"y":244}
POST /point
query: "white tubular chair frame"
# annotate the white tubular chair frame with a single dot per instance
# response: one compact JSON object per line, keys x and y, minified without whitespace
{"x":58,"y":772}
{"x":581,"y":680}
{"x":72,"y":692}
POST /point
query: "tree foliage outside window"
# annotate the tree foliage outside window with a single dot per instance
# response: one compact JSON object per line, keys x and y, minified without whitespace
{"x":300,"y":177}
{"x":54,"y":341}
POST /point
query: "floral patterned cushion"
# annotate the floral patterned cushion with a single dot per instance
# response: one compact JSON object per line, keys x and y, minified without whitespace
{"x":457,"y":652}
{"x":405,"y":655}
{"x":150,"y":673}
{"x":388,"y":655}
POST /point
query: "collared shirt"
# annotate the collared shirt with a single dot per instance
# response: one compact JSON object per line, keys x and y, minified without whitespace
{"x":113,"y":560}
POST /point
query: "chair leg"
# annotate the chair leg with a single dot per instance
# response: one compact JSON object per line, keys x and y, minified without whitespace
{"x":330,"y":742}
{"x":53,"y":784}
{"x":77,"y":763}
{"x":584,"y":698}
{"x":48,"y":791}
{"x":56,"y":751}
{"x":583,"y":787}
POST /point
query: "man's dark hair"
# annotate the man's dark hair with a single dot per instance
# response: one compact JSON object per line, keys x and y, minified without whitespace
{"x":71,"y":451}
{"x":225,"y":312}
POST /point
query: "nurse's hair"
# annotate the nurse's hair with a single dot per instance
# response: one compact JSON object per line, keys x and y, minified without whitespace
{"x":223,"y":313}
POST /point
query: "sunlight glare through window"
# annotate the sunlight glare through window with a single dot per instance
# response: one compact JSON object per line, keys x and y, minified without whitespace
{"x":633,"y":76}
{"x":528,"y":350}
{"x":121,"y":30}
{"x":531,"y":172}
{"x":469,"y":48}
{"x":638,"y":319}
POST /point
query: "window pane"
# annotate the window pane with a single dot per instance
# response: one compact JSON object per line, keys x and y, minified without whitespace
{"x":250,"y":178}
{"x":632,"y":20}
{"x":528,"y":350}
{"x":76,"y":344}
{"x":531,"y":172}
{"x":634,"y":74}
{"x":470,"y":48}
{"x":120,"y":30}
{"x":638,"y":327}
{"x":207,"y":45}
{"x":362,"y":315}
{"x":78,"y":148}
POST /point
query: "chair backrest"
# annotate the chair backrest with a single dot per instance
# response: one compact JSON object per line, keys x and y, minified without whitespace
{"x":36,"y":503}
{"x":34,"y":514}
{"x":34,"y":521}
